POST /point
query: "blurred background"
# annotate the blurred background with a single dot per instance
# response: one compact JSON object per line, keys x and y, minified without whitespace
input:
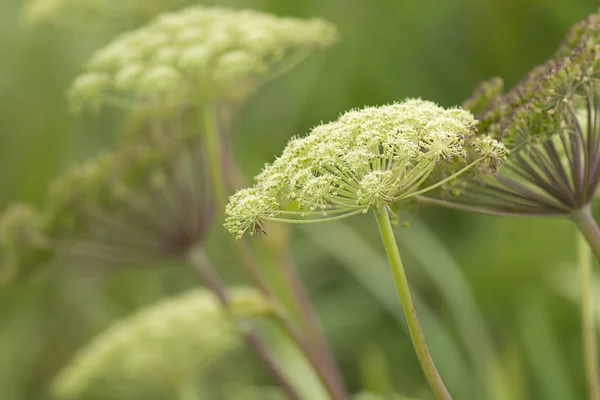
{"x":492,"y":292}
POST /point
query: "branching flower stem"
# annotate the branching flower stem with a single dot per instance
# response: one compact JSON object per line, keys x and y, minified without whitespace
{"x":316,"y":350}
{"x":588,"y":238}
{"x":213,"y":281}
{"x":410,"y":313}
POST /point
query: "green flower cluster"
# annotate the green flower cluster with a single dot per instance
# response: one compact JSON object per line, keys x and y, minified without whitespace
{"x":543,"y":98}
{"x":159,"y":347}
{"x":197,"y":54}
{"x":367,"y":158}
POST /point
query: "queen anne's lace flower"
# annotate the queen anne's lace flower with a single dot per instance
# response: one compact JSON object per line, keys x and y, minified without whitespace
{"x":194,"y":55}
{"x":366,"y":159}
{"x":155,"y":349}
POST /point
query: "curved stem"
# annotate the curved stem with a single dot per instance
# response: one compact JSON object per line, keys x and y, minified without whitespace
{"x":588,"y":228}
{"x":410,"y":313}
{"x":331,"y":380}
{"x":588,"y":236}
{"x":213,"y":281}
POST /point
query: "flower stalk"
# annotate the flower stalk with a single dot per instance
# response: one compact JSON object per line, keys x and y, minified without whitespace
{"x":588,"y":331}
{"x":588,"y":238}
{"x":213,"y":281}
{"x":410,"y":312}
{"x":315,"y":350}
{"x":369,"y":159}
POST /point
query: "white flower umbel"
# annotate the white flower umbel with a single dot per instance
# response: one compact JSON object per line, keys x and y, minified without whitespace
{"x":159,"y":347}
{"x":197,"y":54}
{"x":368,"y":159}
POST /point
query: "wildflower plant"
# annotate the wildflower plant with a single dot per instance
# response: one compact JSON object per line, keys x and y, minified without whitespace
{"x":154,"y":201}
{"x":550,"y":122}
{"x":161,"y":348}
{"x":369,"y":159}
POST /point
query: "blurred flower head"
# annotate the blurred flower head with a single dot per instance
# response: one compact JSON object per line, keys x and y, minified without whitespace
{"x":150,"y":203}
{"x":366,"y":159}
{"x":157,"y":348}
{"x":195,"y":55}
{"x":550,"y":122}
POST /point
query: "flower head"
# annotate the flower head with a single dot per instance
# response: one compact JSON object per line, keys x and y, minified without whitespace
{"x":550,"y":122}
{"x":194,"y":55}
{"x":366,"y":159}
{"x":152,"y":350}
{"x":152,"y":204}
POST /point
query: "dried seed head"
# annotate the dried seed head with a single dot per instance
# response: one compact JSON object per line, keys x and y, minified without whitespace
{"x":153,"y":203}
{"x":550,"y":121}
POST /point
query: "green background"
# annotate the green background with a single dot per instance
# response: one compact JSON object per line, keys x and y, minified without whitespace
{"x":389,"y":50}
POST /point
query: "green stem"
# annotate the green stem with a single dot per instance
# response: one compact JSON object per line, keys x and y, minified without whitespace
{"x":588,"y":236}
{"x":588,"y":228}
{"x":213,"y":154}
{"x":213,"y":281}
{"x":410,"y":313}
{"x":330,"y":379}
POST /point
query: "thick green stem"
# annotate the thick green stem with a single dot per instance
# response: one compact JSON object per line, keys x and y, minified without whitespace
{"x":588,"y":237}
{"x":410,"y":313}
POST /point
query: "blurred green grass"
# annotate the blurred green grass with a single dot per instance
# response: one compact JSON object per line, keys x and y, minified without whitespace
{"x":389,"y":50}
